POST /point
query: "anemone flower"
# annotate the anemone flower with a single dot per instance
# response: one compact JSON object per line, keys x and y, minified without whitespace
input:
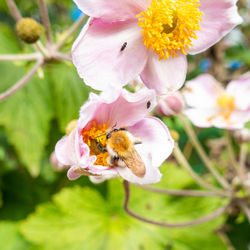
{"x":212,"y":105}
{"x":129,"y":38}
{"x":81,"y":149}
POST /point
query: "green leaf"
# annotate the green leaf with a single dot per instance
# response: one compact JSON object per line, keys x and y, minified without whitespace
{"x":69,"y":92}
{"x":80,"y":218}
{"x":26,"y":116}
{"x":11,"y":239}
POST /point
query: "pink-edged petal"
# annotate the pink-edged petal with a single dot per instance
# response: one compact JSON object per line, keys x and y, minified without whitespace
{"x":219,"y":18}
{"x":152,"y":174}
{"x":127,"y":108}
{"x":240,"y":89}
{"x":109,"y":55}
{"x":65,"y":150}
{"x":202,"y":91}
{"x":113,"y":10}
{"x":102,"y":178}
{"x":201,"y":117}
{"x":237,"y":120}
{"x":156,"y":139}
{"x":164,"y":76}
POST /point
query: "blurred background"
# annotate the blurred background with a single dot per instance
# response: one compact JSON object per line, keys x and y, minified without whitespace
{"x":41,"y":209}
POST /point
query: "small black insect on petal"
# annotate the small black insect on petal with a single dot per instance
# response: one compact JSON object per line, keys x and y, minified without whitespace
{"x":123,"y":46}
{"x":148,"y":104}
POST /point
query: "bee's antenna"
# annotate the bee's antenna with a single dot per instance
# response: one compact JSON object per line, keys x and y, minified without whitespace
{"x":101,"y":135}
{"x":114,"y":125}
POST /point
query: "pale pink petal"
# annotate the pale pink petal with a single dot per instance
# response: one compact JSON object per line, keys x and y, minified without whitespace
{"x":156,"y":139}
{"x":152,"y":175}
{"x":102,"y":178}
{"x":219,"y":18}
{"x":201,"y":117}
{"x":112,"y":10}
{"x":125,"y":110}
{"x":202,"y":91}
{"x":164,"y":76}
{"x":109,"y":55}
{"x":240,"y":89}
{"x":237,"y":120}
{"x":65,"y":149}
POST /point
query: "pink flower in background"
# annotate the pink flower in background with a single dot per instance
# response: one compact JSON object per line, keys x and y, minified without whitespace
{"x":212,"y":105}
{"x":169,"y":105}
{"x":127,"y":38}
{"x":83,"y":148}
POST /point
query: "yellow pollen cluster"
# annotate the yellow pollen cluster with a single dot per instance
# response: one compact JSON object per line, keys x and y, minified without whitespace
{"x":227,"y":104}
{"x":90,"y":137}
{"x":168,"y":26}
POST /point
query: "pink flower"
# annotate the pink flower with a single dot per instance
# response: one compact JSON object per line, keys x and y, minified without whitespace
{"x":83,"y":148}
{"x":129,"y":38}
{"x":211,"y":105}
{"x":169,"y":105}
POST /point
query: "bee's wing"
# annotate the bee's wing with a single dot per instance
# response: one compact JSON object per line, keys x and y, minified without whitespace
{"x":135,"y":163}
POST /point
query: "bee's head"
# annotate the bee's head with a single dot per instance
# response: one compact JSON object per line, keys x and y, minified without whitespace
{"x":113,"y":131}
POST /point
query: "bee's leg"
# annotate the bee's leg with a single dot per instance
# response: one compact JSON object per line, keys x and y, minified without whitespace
{"x":100,"y":148}
{"x":113,"y":161}
{"x":137,"y":141}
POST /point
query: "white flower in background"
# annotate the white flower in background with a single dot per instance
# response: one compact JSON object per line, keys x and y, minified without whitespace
{"x":212,"y":105}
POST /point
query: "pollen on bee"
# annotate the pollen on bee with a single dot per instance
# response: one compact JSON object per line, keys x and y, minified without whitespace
{"x":120,"y":143}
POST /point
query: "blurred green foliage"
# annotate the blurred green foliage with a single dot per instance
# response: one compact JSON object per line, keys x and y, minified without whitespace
{"x":41,"y":209}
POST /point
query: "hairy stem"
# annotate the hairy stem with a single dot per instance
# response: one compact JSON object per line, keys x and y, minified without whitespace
{"x":13,"y":9}
{"x":71,"y":31}
{"x":20,"y":57}
{"x":21,"y":82}
{"x":194,"y":140}
{"x":201,"y":220}
{"x":46,"y":22}
{"x":198,"y":193}
{"x":184,"y":163}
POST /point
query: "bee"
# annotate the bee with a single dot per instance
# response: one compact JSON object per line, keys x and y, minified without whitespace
{"x":120,"y":146}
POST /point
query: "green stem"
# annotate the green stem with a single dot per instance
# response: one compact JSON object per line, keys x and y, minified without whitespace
{"x":184,"y":163}
{"x":194,"y":140}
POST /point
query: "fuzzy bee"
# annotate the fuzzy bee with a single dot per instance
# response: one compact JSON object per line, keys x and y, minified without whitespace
{"x":120,"y":146}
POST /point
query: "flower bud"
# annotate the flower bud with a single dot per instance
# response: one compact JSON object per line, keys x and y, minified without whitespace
{"x":242,"y":135}
{"x":71,"y":126}
{"x":169,"y":105}
{"x":174,"y":134}
{"x":28,"y":30}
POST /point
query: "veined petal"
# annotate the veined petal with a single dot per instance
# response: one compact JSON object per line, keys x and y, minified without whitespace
{"x":219,"y":18}
{"x":202,"y":91}
{"x":109,"y":55}
{"x":112,"y":10}
{"x":164,"y":76}
{"x":123,"y":109}
{"x":65,"y":149}
{"x":156,"y":139}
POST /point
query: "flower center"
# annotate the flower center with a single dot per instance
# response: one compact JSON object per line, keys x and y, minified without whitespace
{"x":91,"y":136}
{"x":227,"y":104}
{"x":168,"y":26}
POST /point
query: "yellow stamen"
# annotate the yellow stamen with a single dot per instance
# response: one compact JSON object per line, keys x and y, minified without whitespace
{"x":226,"y":103}
{"x":168,"y":26}
{"x":90,"y":137}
